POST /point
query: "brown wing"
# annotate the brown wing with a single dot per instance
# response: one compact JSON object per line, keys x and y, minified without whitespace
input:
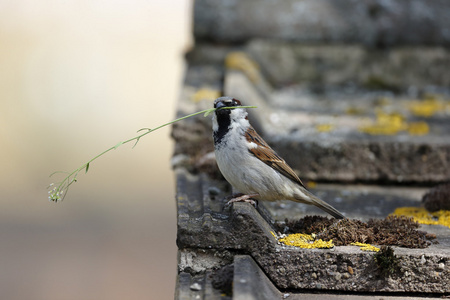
{"x":270,"y":157}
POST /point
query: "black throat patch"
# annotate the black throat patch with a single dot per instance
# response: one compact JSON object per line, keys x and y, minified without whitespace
{"x":224,"y":121}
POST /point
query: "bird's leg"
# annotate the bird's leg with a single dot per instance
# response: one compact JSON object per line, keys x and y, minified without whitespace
{"x":242,"y":198}
{"x":228,"y":198}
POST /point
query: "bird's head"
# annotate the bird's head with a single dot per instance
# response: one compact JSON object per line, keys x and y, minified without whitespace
{"x":226,"y":114}
{"x":225,"y":119}
{"x":226,"y":102}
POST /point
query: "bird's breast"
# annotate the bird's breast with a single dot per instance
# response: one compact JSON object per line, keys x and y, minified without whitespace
{"x":247,"y":174}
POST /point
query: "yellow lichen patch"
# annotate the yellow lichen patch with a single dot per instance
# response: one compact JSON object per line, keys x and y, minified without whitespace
{"x":422,"y":216}
{"x":305,"y":241}
{"x":393,"y":123}
{"x":383,"y":101}
{"x":366,"y":247}
{"x":418,"y":128}
{"x":311,"y":184}
{"x":426,"y":108}
{"x":205,"y":94}
{"x":242,"y":62}
{"x":354,"y":111}
{"x":274,"y":235}
{"x":386,"y":124}
{"x":324,"y":127}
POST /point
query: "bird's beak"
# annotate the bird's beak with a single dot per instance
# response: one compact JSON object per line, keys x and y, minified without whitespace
{"x":220,"y":104}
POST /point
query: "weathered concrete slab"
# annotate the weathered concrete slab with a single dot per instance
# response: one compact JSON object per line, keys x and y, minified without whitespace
{"x":204,"y":224}
{"x":322,"y":66}
{"x":320,"y":72}
{"x":320,"y":139}
{"x":356,"y":201}
{"x":334,"y":132}
{"x":249,"y":282}
{"x":370,"y":22}
{"x":198,"y":286}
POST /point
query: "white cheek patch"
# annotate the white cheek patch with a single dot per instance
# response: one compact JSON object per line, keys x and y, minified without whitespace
{"x":238,"y":115}
{"x":215,"y":125}
{"x":243,"y":121}
{"x":238,"y":122}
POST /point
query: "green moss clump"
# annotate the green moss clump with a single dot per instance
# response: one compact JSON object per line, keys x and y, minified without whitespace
{"x":386,"y":261}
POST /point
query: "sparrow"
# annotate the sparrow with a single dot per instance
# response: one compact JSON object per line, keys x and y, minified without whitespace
{"x":250,"y":165}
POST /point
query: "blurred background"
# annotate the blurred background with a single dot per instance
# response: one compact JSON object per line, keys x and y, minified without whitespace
{"x":76,"y":77}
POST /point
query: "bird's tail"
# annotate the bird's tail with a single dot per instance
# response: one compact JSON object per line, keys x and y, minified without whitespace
{"x":316,"y":201}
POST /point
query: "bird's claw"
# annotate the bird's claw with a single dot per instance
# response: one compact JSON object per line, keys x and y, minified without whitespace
{"x":242,"y":198}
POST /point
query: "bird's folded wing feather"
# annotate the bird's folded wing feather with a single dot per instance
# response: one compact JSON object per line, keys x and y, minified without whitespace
{"x":267,"y":155}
